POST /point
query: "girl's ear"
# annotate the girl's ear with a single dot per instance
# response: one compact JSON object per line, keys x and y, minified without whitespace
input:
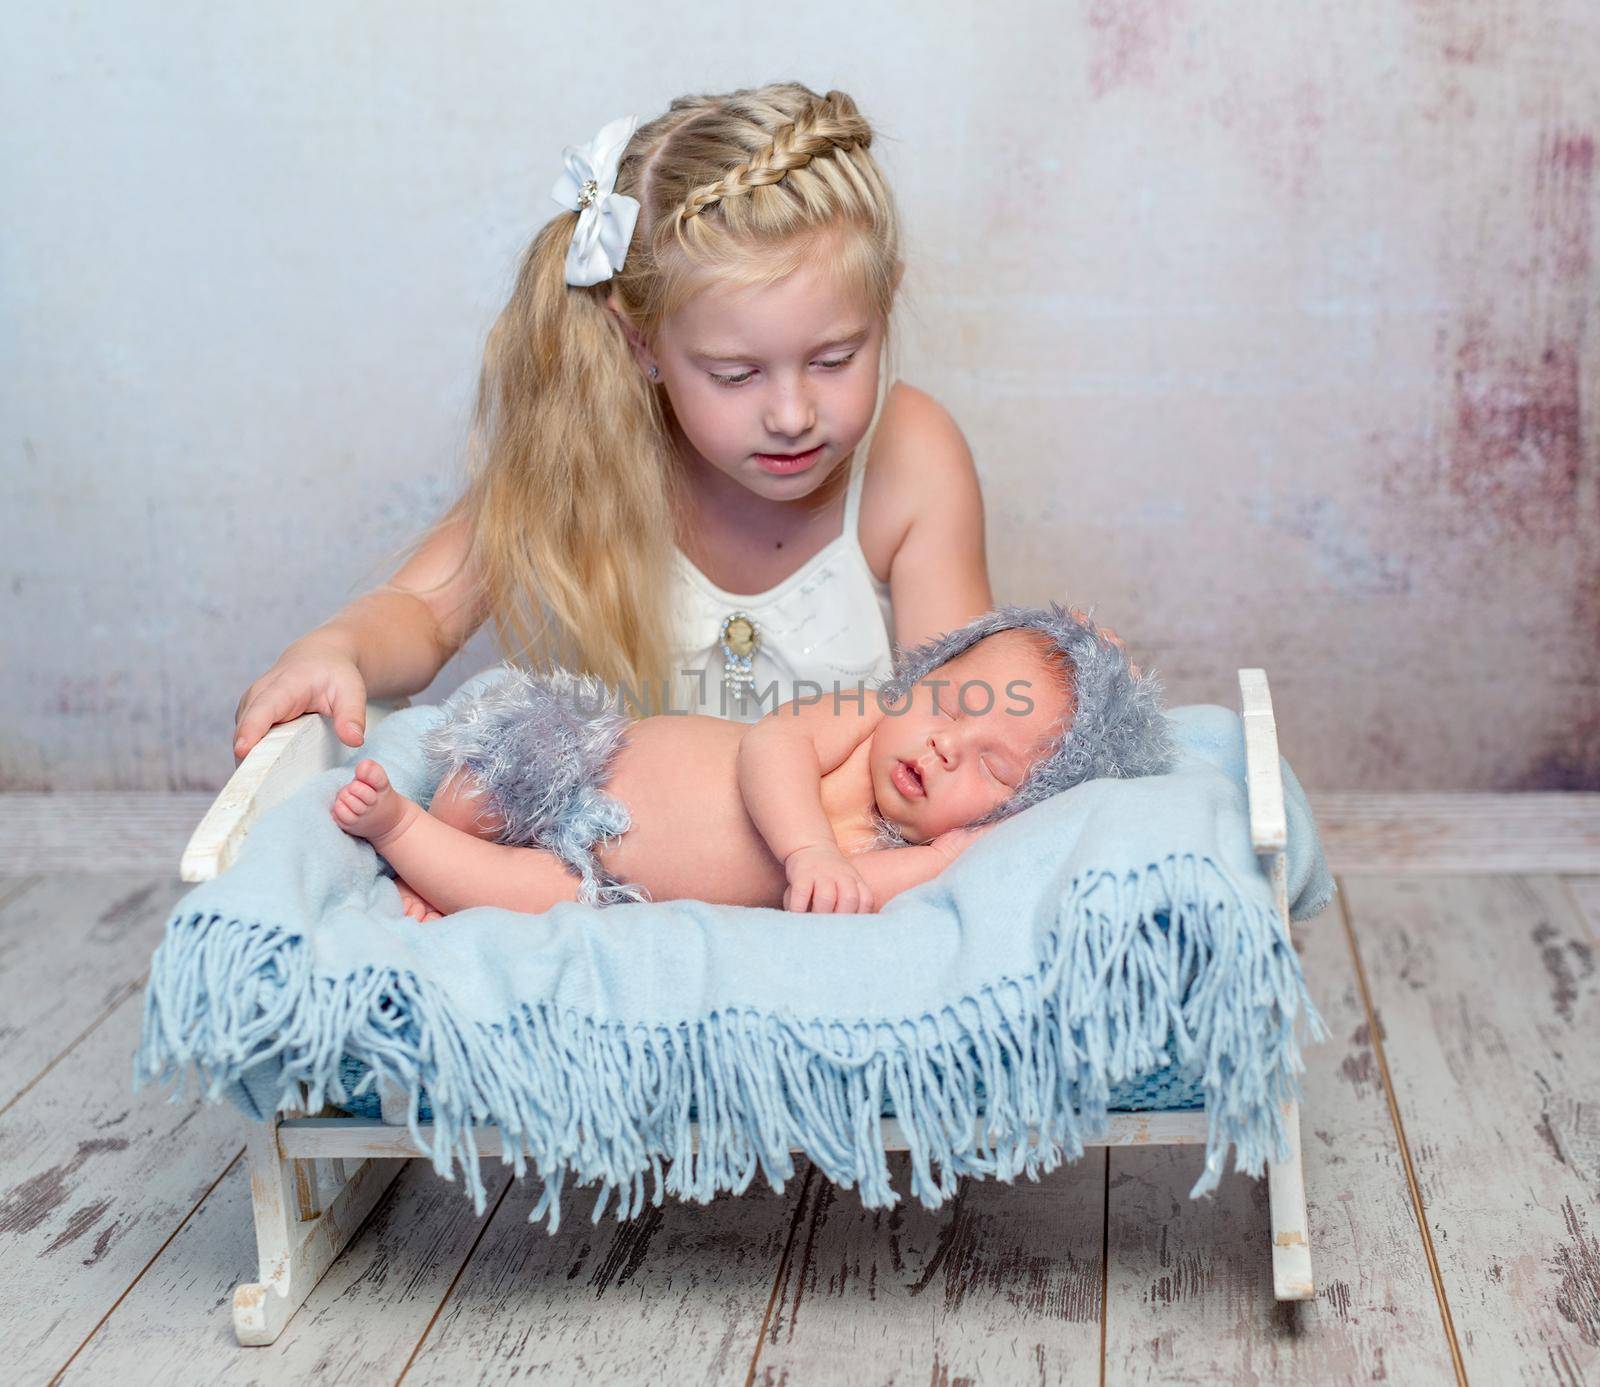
{"x":641,"y":349}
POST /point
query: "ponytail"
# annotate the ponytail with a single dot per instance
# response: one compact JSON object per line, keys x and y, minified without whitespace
{"x":573,"y":485}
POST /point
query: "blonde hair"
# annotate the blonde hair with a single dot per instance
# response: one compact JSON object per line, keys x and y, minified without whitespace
{"x":574,"y":485}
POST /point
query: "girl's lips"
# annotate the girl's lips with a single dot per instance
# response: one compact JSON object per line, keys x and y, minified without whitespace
{"x":785,"y":466}
{"x":906,"y":781}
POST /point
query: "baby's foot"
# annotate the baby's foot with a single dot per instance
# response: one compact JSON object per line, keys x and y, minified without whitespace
{"x":369,"y":807}
{"x":416,"y":906}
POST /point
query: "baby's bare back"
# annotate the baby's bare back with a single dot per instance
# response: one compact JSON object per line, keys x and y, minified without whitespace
{"x":691,"y":837}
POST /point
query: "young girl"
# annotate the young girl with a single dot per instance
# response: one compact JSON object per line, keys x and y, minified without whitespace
{"x":690,"y":471}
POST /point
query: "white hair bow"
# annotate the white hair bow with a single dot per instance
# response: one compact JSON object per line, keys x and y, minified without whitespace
{"x":606,"y":218}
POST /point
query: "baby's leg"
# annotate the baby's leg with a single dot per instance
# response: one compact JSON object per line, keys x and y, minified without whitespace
{"x":453,"y":869}
{"x":459,"y":803}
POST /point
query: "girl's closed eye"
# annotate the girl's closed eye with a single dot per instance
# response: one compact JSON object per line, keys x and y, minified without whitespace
{"x":742,"y":377}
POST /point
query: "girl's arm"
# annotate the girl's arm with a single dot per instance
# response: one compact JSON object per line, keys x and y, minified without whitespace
{"x":401,"y":634}
{"x":939,"y":576}
{"x":393,"y":640}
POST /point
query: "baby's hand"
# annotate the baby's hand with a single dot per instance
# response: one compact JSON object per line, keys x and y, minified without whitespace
{"x":822,"y":880}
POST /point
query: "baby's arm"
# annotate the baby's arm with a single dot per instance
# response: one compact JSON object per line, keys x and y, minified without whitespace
{"x":782,"y":760}
{"x":889,"y":871}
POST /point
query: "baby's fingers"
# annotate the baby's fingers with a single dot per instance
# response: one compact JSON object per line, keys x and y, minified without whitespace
{"x":855,"y":899}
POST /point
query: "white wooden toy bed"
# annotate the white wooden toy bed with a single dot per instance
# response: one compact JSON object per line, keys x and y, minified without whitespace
{"x":314,"y":1178}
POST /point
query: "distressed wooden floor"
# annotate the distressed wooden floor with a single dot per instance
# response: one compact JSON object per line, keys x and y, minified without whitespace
{"x":1451,"y":1129}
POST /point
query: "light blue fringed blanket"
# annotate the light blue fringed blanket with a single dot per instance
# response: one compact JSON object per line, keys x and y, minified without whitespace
{"x":1108,"y":933}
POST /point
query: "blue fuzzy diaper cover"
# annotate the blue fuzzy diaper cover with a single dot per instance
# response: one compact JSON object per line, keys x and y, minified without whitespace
{"x":541,"y":747}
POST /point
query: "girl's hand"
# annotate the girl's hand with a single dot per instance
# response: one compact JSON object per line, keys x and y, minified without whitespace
{"x":957,"y":840}
{"x":822,"y":880}
{"x":1110,"y":635}
{"x":310,"y":677}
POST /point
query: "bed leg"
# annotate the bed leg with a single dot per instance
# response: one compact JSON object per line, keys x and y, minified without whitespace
{"x":298,"y":1232}
{"x":1269,"y":835}
{"x":1286,"y":1180}
{"x":1286,"y":1192}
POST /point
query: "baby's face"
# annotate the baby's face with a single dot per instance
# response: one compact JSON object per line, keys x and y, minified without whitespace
{"x":967,"y":739}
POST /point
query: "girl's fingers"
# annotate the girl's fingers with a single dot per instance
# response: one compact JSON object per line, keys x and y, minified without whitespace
{"x":349,"y":710}
{"x":344,"y":701}
{"x":258,"y":718}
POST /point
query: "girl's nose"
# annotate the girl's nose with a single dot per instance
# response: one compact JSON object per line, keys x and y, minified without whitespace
{"x":790,"y":414}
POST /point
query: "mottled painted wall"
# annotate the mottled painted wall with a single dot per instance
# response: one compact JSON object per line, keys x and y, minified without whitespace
{"x":1273,"y":329}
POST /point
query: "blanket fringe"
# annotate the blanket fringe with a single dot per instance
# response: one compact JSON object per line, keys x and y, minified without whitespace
{"x":1128,"y":984}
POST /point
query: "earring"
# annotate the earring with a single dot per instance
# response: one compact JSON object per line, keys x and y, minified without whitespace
{"x":655,"y":373}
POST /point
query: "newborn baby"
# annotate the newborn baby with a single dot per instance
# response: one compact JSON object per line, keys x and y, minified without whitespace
{"x":548,"y":792}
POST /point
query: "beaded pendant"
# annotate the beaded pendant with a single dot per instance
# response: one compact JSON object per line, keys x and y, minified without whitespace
{"x":740,"y":638}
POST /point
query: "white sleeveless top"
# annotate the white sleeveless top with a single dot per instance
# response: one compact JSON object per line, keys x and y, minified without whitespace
{"x":828,"y":622}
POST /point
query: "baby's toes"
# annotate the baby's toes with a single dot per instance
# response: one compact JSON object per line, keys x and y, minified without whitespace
{"x":371,"y":775}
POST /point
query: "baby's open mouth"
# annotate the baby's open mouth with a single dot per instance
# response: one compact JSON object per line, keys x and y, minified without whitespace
{"x":908,"y":780}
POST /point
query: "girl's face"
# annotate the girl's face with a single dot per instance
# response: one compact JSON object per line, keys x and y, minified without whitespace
{"x":758,"y":375}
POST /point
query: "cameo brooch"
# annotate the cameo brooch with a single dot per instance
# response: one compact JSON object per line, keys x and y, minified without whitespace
{"x":739,"y":638}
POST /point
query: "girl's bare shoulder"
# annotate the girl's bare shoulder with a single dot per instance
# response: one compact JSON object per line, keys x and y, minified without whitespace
{"x":919,"y":458}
